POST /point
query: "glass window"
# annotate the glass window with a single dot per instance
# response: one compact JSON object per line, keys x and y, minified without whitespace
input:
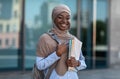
{"x":86,"y":18}
{"x":6,"y":42}
{"x":0,"y":9}
{"x":15,"y":14}
{"x":38,"y":21}
{"x":1,"y":28}
{"x":101,"y":22}
{"x":95,"y":59}
{"x":0,"y":42}
{"x":8,"y":28}
{"x":101,"y":33}
{"x":6,"y":9}
{"x":14,"y":28}
{"x":13,"y":43}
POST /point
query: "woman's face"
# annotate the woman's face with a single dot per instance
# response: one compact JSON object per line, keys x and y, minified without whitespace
{"x":62,"y":21}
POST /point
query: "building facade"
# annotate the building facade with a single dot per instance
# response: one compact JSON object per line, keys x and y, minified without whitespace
{"x":98,"y":22}
{"x":10,"y":18}
{"x":114,"y":31}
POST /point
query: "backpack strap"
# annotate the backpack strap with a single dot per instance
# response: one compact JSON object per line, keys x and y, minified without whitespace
{"x":54,"y":36}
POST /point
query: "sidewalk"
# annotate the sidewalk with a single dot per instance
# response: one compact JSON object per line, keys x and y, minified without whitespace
{"x":100,"y":74}
{"x":111,"y":73}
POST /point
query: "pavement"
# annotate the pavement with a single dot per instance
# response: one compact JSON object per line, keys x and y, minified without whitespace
{"x":100,"y":74}
{"x":108,"y":73}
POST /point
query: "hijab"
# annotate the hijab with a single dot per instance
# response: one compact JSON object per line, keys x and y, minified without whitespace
{"x":56,"y":11}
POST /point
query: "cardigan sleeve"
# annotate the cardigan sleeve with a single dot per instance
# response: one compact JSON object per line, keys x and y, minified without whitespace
{"x":82,"y":62}
{"x":43,"y":63}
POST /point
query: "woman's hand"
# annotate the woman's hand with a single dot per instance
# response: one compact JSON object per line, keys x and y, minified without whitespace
{"x":72,"y":62}
{"x":61,"y":48}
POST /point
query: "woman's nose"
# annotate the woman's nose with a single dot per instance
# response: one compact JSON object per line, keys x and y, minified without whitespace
{"x":64,"y":21}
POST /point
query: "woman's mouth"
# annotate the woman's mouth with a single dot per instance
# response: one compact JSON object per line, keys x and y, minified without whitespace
{"x":63,"y":25}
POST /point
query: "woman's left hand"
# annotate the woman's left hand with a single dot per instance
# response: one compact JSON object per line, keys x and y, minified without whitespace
{"x":72,"y":62}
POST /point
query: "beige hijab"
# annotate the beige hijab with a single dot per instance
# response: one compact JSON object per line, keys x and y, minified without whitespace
{"x":47,"y":45}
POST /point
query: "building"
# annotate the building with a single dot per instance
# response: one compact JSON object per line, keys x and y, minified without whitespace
{"x":114,"y":30}
{"x":10,"y":18}
{"x":100,"y":35}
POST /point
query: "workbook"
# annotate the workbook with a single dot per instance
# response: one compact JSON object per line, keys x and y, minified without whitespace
{"x":74,"y":50}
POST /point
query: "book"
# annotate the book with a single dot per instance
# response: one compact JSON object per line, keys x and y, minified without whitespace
{"x":74,"y":50}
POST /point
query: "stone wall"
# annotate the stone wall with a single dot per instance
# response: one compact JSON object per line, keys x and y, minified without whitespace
{"x":114,"y":32}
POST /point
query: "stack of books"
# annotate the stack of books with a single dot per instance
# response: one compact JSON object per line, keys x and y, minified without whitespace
{"x":74,"y":50}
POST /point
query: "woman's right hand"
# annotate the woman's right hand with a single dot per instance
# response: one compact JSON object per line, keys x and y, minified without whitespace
{"x":61,"y":48}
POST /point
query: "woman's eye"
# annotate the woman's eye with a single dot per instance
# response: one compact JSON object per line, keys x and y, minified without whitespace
{"x":68,"y":18}
{"x":60,"y":17}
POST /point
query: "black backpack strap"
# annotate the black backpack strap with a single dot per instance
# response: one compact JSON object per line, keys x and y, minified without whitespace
{"x":54,"y":36}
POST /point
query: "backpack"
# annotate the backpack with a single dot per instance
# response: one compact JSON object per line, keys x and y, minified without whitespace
{"x":39,"y":74}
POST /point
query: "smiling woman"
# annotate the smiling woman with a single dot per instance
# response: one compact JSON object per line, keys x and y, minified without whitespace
{"x":38,"y":21}
{"x":52,"y":57}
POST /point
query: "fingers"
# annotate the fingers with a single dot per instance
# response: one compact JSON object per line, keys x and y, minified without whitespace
{"x":68,"y":62}
{"x":63,"y":44}
{"x":61,"y":48}
{"x":72,"y":62}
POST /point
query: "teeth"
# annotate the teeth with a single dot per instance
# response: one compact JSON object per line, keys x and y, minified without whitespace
{"x":63,"y":24}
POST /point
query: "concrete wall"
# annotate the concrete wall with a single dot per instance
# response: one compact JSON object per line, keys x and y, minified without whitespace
{"x":114,"y":32}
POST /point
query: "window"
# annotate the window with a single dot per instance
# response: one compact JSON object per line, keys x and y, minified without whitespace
{"x":13,"y":42}
{"x":14,"y":28}
{"x":1,"y":27}
{"x":15,"y":14}
{"x":0,"y":42}
{"x":6,"y":42}
{"x":0,"y":9}
{"x":96,"y":54}
{"x":8,"y":28}
{"x":6,"y":9}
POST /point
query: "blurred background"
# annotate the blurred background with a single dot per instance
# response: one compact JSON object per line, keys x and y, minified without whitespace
{"x":95,"y":22}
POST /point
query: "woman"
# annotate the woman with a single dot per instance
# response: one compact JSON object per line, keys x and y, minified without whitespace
{"x":52,"y":57}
